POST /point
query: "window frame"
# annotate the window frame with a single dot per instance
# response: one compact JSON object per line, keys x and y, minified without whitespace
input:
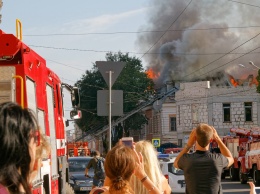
{"x":170,"y":123}
{"x":251,"y":111}
{"x":226,"y":108}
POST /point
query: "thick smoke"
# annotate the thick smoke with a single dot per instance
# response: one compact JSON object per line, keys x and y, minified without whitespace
{"x":198,"y":43}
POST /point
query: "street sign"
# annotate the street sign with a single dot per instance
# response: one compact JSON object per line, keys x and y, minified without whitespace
{"x":156,"y":143}
{"x":105,"y":66}
{"x":116,"y":103}
{"x":110,"y":71}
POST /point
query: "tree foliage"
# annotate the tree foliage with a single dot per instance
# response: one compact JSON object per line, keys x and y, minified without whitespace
{"x":134,"y":82}
{"x":258,"y":79}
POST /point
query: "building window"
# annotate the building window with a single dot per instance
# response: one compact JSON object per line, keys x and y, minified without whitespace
{"x":248,"y":111}
{"x":173,"y":124}
{"x":226,"y":112}
{"x":180,"y":142}
{"x":195,"y":113}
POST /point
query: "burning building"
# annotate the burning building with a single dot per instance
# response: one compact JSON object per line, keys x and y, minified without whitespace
{"x":204,"y":47}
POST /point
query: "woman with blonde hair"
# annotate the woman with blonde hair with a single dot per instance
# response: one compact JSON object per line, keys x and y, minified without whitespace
{"x":152,"y":169}
{"x":121,"y":164}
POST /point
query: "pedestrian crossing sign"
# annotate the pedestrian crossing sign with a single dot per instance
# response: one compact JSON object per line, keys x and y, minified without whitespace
{"x":156,"y":143}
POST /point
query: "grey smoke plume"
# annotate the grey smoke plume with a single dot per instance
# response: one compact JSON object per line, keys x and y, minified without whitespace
{"x":194,"y":53}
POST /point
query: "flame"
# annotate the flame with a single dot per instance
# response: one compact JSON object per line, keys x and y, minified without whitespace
{"x":151,"y":74}
{"x":252,"y":81}
{"x":233,"y":81}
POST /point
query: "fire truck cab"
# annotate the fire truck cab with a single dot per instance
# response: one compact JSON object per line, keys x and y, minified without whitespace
{"x":26,"y":80}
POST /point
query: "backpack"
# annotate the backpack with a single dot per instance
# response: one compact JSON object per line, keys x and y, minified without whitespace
{"x":100,"y":170}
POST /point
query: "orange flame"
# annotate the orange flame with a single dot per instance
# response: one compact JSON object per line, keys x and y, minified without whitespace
{"x":254,"y":81}
{"x":151,"y":74}
{"x":233,"y":81}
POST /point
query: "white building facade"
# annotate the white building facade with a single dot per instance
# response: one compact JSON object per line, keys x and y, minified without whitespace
{"x":221,"y":107}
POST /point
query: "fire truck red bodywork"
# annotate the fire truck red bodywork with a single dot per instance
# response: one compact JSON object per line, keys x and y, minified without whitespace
{"x":25,"y":79}
{"x":245,"y":149}
{"x":78,"y":149}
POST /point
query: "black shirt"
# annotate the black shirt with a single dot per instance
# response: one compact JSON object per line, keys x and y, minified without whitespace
{"x":202,"y":172}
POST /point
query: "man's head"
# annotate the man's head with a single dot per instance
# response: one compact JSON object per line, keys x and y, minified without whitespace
{"x":204,"y":134}
{"x":96,"y":153}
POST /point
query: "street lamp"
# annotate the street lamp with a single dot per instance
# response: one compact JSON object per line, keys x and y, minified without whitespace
{"x":251,"y":63}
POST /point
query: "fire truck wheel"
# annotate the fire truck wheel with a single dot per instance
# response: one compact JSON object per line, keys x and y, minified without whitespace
{"x":69,"y":189}
{"x":256,"y":176}
{"x":242,"y":177}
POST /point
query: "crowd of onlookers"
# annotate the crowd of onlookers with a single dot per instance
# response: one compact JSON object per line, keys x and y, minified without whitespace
{"x":128,"y":170}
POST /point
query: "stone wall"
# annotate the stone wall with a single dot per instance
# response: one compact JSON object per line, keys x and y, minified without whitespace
{"x":196,"y":102}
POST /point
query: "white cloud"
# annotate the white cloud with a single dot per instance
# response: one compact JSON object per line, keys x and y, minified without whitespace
{"x":101,"y":22}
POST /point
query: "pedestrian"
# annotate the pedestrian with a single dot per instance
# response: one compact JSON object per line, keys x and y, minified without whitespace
{"x":152,"y":169}
{"x":202,"y":169}
{"x":121,"y":163}
{"x":19,"y":137}
{"x":97,"y":163}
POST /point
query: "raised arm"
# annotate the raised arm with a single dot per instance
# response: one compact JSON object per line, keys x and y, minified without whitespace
{"x":187,"y":147}
{"x":223,"y":149}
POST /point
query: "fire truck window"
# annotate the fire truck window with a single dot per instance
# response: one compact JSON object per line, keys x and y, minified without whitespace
{"x":58,"y":97}
{"x":226,"y":112}
{"x":248,"y":111}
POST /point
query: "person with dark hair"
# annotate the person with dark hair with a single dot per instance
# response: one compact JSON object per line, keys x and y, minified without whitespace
{"x":121,"y":163}
{"x":202,"y":169}
{"x":97,"y":163}
{"x":19,"y":137}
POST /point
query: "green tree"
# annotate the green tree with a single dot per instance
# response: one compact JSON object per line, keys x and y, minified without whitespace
{"x":132,"y":80}
{"x":258,"y":79}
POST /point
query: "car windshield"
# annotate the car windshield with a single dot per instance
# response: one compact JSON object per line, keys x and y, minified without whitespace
{"x":78,"y":165}
{"x":174,"y":170}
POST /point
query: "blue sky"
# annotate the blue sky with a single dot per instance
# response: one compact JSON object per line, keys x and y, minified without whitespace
{"x":64,"y":17}
{"x":198,"y":38}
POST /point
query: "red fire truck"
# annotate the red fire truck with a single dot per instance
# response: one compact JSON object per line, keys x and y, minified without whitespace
{"x":78,"y":149}
{"x":25,"y":79}
{"x":245,"y":148}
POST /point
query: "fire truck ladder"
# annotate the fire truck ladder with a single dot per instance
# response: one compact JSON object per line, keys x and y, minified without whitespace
{"x":98,"y":130}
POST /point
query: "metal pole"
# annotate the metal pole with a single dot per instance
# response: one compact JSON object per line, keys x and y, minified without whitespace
{"x":109,"y":114}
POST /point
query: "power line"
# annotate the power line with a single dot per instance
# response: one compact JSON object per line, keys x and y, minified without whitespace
{"x":244,"y":3}
{"x":167,"y":28}
{"x":224,"y":56}
{"x":231,"y":61}
{"x":65,"y":64}
{"x":144,"y":31}
{"x":137,"y":53}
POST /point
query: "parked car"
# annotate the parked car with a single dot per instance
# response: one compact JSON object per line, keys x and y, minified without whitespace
{"x":175,"y":176}
{"x":77,"y":179}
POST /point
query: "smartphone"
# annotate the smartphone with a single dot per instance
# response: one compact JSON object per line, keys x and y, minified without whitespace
{"x":257,"y":190}
{"x":127,"y":141}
